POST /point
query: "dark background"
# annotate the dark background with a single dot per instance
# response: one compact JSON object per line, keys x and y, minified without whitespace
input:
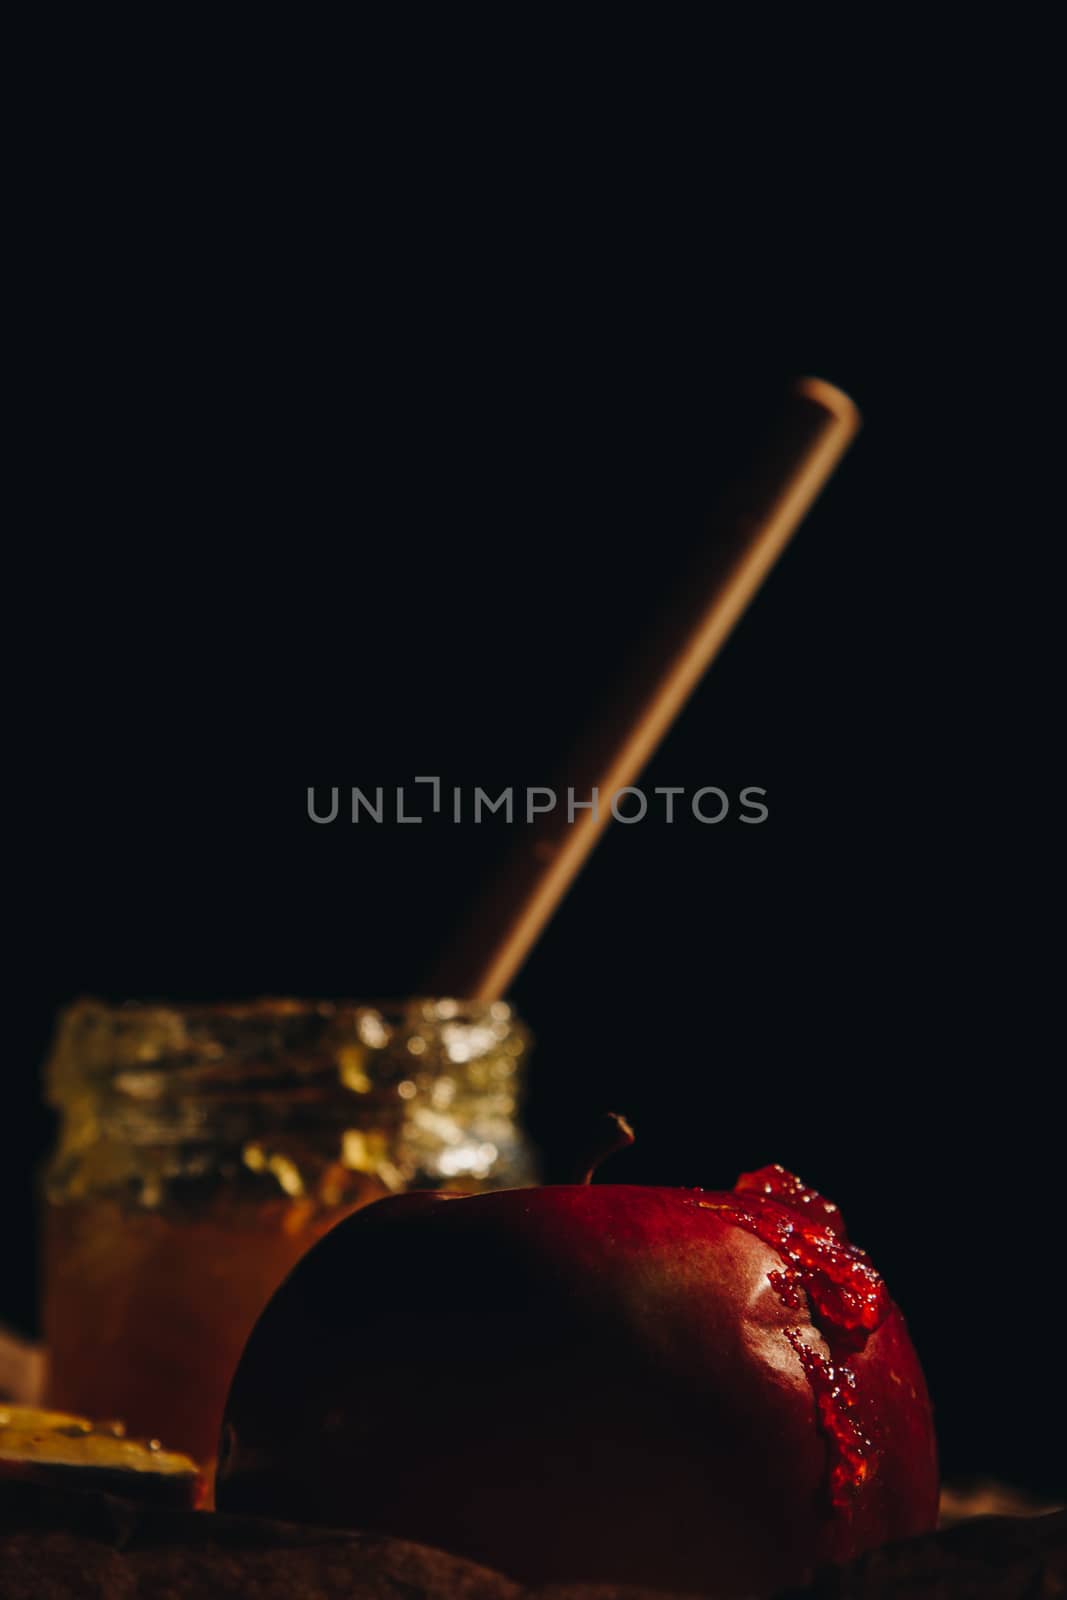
{"x":267,"y":544}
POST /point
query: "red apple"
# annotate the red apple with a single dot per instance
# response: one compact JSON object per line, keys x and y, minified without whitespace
{"x":677,"y":1387}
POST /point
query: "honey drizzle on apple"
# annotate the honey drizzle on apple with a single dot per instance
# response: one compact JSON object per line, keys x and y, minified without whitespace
{"x":833,"y":1385}
{"x":846,"y":1298}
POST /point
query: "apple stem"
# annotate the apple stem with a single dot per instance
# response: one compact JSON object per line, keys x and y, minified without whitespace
{"x":611,"y":1134}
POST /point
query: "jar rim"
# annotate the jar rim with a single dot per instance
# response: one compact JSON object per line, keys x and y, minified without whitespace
{"x":311,"y":1049}
{"x":265,"y":1007}
{"x":184,"y":1082}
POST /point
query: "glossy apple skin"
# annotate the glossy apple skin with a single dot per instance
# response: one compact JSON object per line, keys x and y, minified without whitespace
{"x":564,"y":1383}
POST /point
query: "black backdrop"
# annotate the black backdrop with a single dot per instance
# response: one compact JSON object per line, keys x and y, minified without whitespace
{"x":250,"y":562}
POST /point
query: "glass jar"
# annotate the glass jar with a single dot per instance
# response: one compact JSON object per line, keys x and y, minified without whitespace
{"x":202,"y":1149}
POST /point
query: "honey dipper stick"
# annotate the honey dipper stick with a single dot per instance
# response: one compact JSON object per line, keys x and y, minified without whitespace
{"x":749,"y":533}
